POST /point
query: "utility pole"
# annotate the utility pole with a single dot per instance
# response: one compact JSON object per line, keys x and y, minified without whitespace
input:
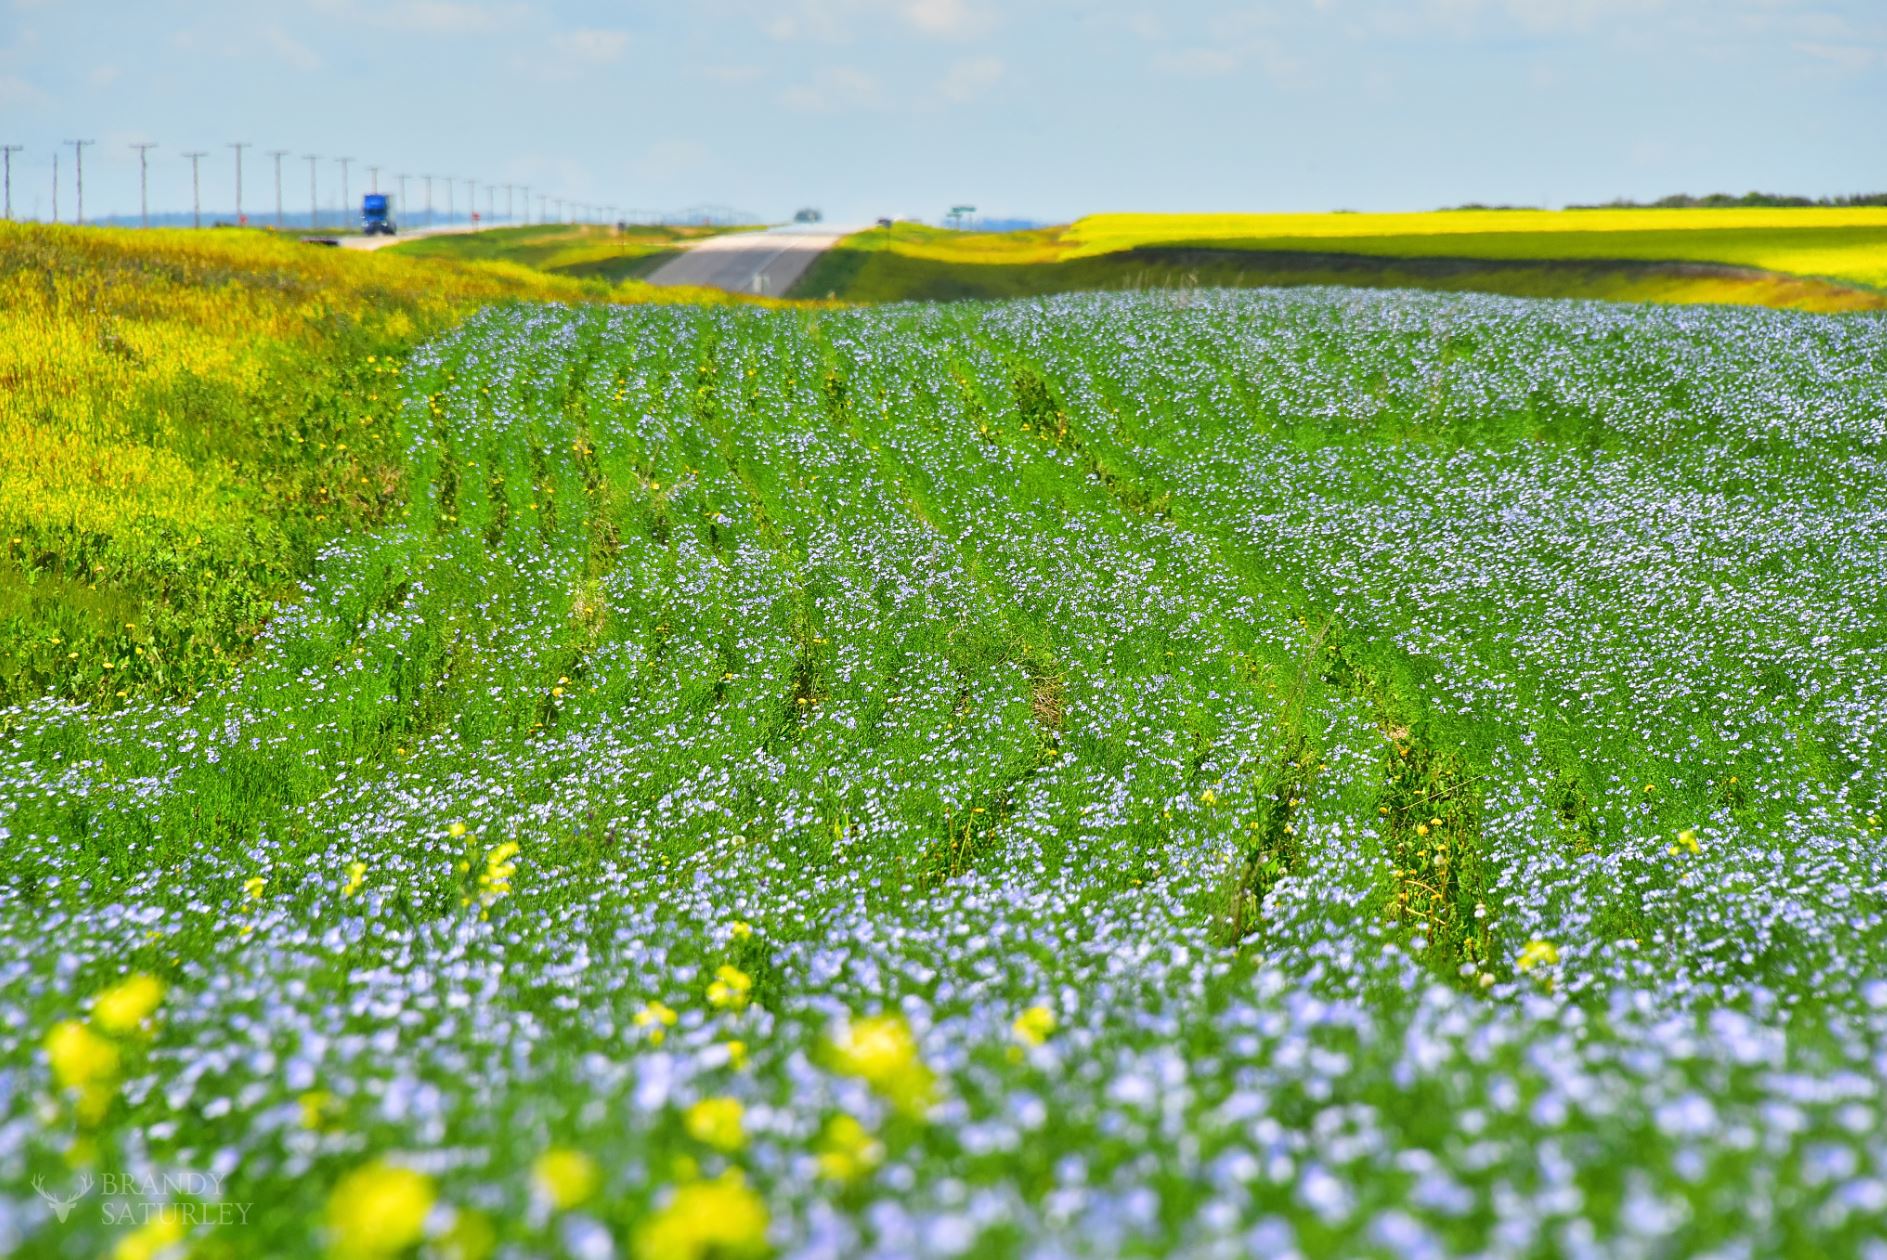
{"x":344,"y":212}
{"x":527,"y":204}
{"x":314,"y":203}
{"x":6,"y":157}
{"x":402,"y":201}
{"x":278,"y":155}
{"x":508,"y":188}
{"x":144,"y":202}
{"x":491,"y":203}
{"x":471,"y":197}
{"x":78,"y":160}
{"x":239,"y":146}
{"x":428,"y":180}
{"x":448,"y":183}
{"x":196,"y":189}
{"x":373,"y":179}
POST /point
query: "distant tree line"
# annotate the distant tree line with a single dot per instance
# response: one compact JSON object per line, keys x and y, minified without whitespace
{"x":1718,"y":201}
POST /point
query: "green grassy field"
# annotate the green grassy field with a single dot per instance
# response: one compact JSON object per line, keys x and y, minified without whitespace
{"x":1204,"y":773}
{"x":186,"y":418}
{"x":1810,"y":259}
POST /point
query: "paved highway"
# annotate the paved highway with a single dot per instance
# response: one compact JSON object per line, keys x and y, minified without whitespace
{"x":406,"y":234}
{"x":751,"y":262}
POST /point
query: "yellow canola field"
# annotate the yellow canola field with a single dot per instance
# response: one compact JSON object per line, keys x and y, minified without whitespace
{"x":1842,"y":243}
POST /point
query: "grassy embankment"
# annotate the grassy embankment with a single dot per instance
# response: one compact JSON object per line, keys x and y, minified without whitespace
{"x":186,"y":418}
{"x":1816,"y":259}
{"x":577,"y":250}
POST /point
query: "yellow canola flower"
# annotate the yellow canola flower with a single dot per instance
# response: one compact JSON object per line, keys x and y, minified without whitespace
{"x":79,"y":1056}
{"x":848,"y":1151}
{"x":126,"y":1005}
{"x":356,"y":876}
{"x":565,"y":1177}
{"x":658,"y":1019}
{"x":730,"y":989}
{"x":318,"y":1107}
{"x":152,"y":1239}
{"x":455,"y":830}
{"x":1538,"y":954}
{"x":1688,"y":839}
{"x":1034,"y":1025}
{"x":740,"y":930}
{"x":737,"y":1055}
{"x":379,"y":1209}
{"x":722,"y":1218}
{"x":880,"y":1051}
{"x":495,"y":882}
{"x":717,"y":1122}
{"x":253,"y":886}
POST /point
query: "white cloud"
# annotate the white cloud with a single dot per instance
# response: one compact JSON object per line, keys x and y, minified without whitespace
{"x":949,"y":19}
{"x":102,"y":76}
{"x":291,"y":50}
{"x":971,"y":80}
{"x":838,"y":21}
{"x":1852,"y":58}
{"x":834,"y":89}
{"x":1198,"y":63}
{"x":429,"y":17}
{"x":18,"y":93}
{"x":592,"y":46}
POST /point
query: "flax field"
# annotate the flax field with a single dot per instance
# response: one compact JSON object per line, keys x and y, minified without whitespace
{"x":1309,"y":773}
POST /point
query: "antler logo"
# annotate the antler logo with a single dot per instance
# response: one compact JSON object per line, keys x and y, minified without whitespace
{"x":62,"y":1208}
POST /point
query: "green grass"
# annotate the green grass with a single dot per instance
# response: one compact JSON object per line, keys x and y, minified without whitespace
{"x":187,"y":419}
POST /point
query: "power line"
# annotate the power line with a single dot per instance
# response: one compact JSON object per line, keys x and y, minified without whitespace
{"x":6,"y":157}
{"x":196,"y":188}
{"x":78,"y":159}
{"x":239,"y":146}
{"x":314,"y":204}
{"x":278,"y":155}
{"x":144,"y":202}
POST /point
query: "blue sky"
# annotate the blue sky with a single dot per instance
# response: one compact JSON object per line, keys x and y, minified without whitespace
{"x":1043,"y":108}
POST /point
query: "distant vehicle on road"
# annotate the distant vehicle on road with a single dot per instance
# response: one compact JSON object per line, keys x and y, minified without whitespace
{"x":376,"y":215}
{"x":810,"y":215}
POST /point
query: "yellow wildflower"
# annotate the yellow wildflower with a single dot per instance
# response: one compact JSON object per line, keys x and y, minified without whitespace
{"x":126,"y":1005}
{"x":495,"y":881}
{"x":79,"y":1056}
{"x":356,"y":876}
{"x":1688,"y":839}
{"x":1537,"y":954}
{"x":740,"y":930}
{"x":717,"y":1122}
{"x":379,"y":1209}
{"x":1034,"y":1025}
{"x":318,"y":1108}
{"x":881,"y":1051}
{"x":565,"y":1177}
{"x":847,"y":1150}
{"x":658,"y":1019}
{"x":253,"y":886}
{"x":723,"y":1218}
{"x":731,"y":988}
{"x":152,"y":1239}
{"x":737,"y":1055}
{"x":455,"y":830}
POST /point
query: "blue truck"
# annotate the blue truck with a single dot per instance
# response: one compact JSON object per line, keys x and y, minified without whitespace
{"x":376,"y":215}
